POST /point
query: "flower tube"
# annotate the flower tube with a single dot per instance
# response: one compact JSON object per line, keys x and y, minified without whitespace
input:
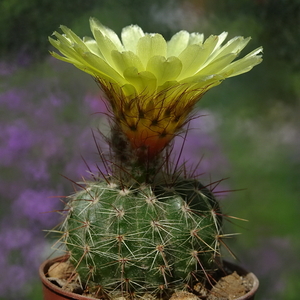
{"x":152,"y":84}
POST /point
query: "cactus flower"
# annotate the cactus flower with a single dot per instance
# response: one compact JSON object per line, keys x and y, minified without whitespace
{"x":152,"y":84}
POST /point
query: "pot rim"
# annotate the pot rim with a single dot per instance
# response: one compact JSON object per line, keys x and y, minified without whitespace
{"x":72,"y":296}
{"x":44,"y":267}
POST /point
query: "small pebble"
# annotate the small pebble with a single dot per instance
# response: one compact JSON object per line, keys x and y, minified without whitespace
{"x":61,"y":270}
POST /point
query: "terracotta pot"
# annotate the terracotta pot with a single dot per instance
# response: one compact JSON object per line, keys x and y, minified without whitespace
{"x":53,"y":292}
{"x":241,"y":271}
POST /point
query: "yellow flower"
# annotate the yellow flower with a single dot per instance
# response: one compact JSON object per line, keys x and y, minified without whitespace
{"x":153,"y":84}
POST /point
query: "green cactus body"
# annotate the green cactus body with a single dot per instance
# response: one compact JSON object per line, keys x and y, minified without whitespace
{"x":144,"y":238}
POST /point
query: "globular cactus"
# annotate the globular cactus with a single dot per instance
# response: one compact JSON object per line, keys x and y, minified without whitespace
{"x":144,"y":238}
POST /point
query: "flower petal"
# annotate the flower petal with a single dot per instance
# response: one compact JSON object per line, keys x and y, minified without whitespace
{"x":151,"y":45}
{"x":164,"y":69}
{"x":67,"y":48}
{"x":192,"y":59}
{"x":220,"y":39}
{"x":144,"y":82}
{"x":177,"y":43}
{"x":207,"y":82}
{"x":217,"y":65}
{"x":95,"y":25}
{"x":126,"y":59}
{"x":129,"y":90}
{"x":88,"y":62}
{"x":196,"y":57}
{"x":105,"y":45}
{"x":71,"y":36}
{"x":92,"y":46}
{"x":200,"y":84}
{"x":130,"y":36}
{"x":235,"y":45}
{"x":196,"y":38}
{"x":100,"y":68}
{"x":244,"y":64}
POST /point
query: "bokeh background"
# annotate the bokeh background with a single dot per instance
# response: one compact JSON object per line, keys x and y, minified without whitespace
{"x":248,"y":132}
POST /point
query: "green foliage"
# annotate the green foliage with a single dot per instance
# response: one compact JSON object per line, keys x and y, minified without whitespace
{"x":25,"y":25}
{"x":274,"y":24}
{"x":280,"y":20}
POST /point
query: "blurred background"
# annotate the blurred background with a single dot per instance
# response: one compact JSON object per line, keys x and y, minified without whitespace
{"x":248,"y":132}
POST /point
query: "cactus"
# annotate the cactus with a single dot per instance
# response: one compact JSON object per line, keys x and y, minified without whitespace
{"x":147,"y":232}
{"x":145,"y":237}
{"x":143,"y":229}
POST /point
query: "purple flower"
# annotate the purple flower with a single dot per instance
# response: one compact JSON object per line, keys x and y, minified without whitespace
{"x":7,"y":68}
{"x":15,"y":141}
{"x":95,"y":103}
{"x":38,"y":207}
{"x":36,"y":170}
{"x":14,"y":238}
{"x":51,"y":144}
{"x":12,"y":280}
{"x":19,"y":260}
{"x":275,"y":260}
{"x":12,"y":99}
{"x":199,"y":151}
{"x":48,"y":108}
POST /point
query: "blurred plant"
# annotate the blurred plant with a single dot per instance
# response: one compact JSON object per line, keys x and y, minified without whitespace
{"x":34,"y":140}
{"x":201,"y":143}
{"x":274,"y":254}
{"x":280,"y":22}
{"x":16,"y":14}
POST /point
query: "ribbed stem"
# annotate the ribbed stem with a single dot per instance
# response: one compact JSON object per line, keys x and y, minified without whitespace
{"x":132,"y":165}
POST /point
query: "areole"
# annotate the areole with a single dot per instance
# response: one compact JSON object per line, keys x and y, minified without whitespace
{"x":54,"y":292}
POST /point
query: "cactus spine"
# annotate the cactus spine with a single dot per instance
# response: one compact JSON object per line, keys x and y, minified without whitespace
{"x":142,"y":236}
